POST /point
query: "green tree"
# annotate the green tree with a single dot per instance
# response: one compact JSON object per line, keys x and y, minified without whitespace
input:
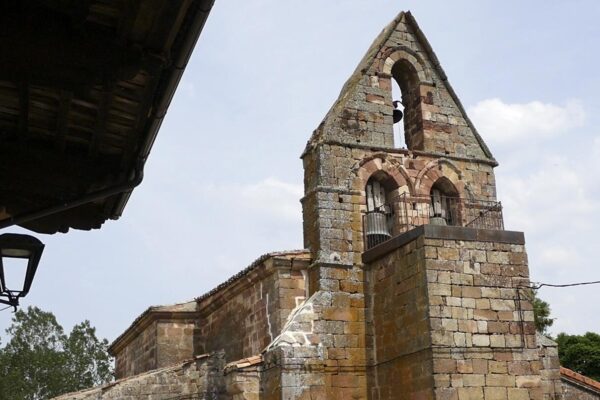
{"x":41,"y":362}
{"x":541,"y":314}
{"x":581,"y":353}
{"x":88,"y":361}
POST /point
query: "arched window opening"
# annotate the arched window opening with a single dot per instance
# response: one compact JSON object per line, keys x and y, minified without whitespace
{"x":406,"y":83}
{"x":378,"y":221}
{"x":444,"y":206}
{"x":399,"y":139}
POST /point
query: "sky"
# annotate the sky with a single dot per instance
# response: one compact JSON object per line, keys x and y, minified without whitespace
{"x":223,"y":182}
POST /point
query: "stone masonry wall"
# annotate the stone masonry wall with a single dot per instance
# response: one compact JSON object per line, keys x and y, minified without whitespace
{"x":139,"y":355}
{"x":201,"y":378}
{"x":244,"y":319}
{"x":477,"y":322}
{"x":174,"y":342}
{"x":482,"y":328}
{"x":320,"y":353}
{"x":335,"y":200}
{"x":436,"y":121}
{"x":550,"y":372}
{"x":160,"y":337}
{"x":398,"y":325}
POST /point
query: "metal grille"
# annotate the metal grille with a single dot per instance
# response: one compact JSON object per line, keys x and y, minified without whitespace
{"x":412,"y":211}
{"x":445,"y":210}
{"x":377,"y":227}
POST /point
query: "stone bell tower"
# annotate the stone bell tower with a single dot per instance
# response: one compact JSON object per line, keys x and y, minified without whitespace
{"x":416,"y":290}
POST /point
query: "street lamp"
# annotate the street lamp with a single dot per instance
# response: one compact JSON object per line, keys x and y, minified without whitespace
{"x":15,"y":248}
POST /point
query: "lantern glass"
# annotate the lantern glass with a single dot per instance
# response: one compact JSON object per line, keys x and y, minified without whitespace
{"x":15,"y":270}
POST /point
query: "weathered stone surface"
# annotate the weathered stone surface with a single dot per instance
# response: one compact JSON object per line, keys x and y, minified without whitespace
{"x":201,"y":377}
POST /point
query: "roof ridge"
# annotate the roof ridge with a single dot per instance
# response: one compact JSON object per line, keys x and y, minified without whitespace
{"x":234,"y":278}
{"x":582,"y":379}
{"x":249,"y":268}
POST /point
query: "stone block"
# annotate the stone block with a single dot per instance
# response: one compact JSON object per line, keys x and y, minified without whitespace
{"x":502,"y":305}
{"x":480,"y":364}
{"x":497,"y":341}
{"x":500,"y":380}
{"x":518,"y":394}
{"x":481,"y":340}
{"x":464,"y":366}
{"x":497,"y":257}
{"x":449,"y":254}
{"x":496,"y":393}
{"x":498,"y":367}
{"x":470,"y":393}
{"x":473,"y":380}
{"x":444,"y":366}
{"x":446,"y":394}
{"x":528,"y":381}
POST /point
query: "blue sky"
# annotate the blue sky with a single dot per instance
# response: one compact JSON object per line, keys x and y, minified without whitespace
{"x":223,"y":182}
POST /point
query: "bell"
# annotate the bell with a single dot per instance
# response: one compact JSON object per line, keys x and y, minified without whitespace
{"x":397,"y":115}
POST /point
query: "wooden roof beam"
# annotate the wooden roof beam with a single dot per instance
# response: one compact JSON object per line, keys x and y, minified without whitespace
{"x":23,"y":112}
{"x":62,"y":125}
{"x":103,"y":108}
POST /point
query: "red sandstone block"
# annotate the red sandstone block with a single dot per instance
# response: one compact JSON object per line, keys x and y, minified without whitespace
{"x":373,"y":98}
{"x":480,"y":366}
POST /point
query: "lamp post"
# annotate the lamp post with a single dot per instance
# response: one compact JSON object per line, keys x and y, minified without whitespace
{"x":23,"y":248}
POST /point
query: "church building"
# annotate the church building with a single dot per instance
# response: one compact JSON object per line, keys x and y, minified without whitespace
{"x":409,"y":286}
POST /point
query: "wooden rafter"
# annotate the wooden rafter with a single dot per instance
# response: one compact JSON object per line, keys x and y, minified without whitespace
{"x":130,"y":12}
{"x":104,"y":105}
{"x":62,"y":120}
{"x":23,"y":112}
{"x":143,"y":113}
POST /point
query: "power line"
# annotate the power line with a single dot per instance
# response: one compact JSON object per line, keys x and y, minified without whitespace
{"x":538,"y":285}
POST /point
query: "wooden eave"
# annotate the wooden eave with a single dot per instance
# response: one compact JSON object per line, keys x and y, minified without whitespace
{"x":84,"y":86}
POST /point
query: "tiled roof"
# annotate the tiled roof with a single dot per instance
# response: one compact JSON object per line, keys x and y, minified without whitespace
{"x":243,"y":363}
{"x":581,"y":379}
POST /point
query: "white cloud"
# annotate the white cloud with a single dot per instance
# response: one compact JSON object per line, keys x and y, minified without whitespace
{"x":551,"y":193}
{"x":504,"y":123}
{"x":270,"y":197}
{"x":554,"y":193}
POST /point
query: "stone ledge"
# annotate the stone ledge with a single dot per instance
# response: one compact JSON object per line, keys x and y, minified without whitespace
{"x":444,"y":233}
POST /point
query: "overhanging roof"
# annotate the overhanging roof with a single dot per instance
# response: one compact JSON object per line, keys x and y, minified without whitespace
{"x":84,"y":87}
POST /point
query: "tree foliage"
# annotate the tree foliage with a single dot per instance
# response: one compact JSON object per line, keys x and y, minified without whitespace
{"x":40,"y":361}
{"x":581,"y":353}
{"x":541,"y":314}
